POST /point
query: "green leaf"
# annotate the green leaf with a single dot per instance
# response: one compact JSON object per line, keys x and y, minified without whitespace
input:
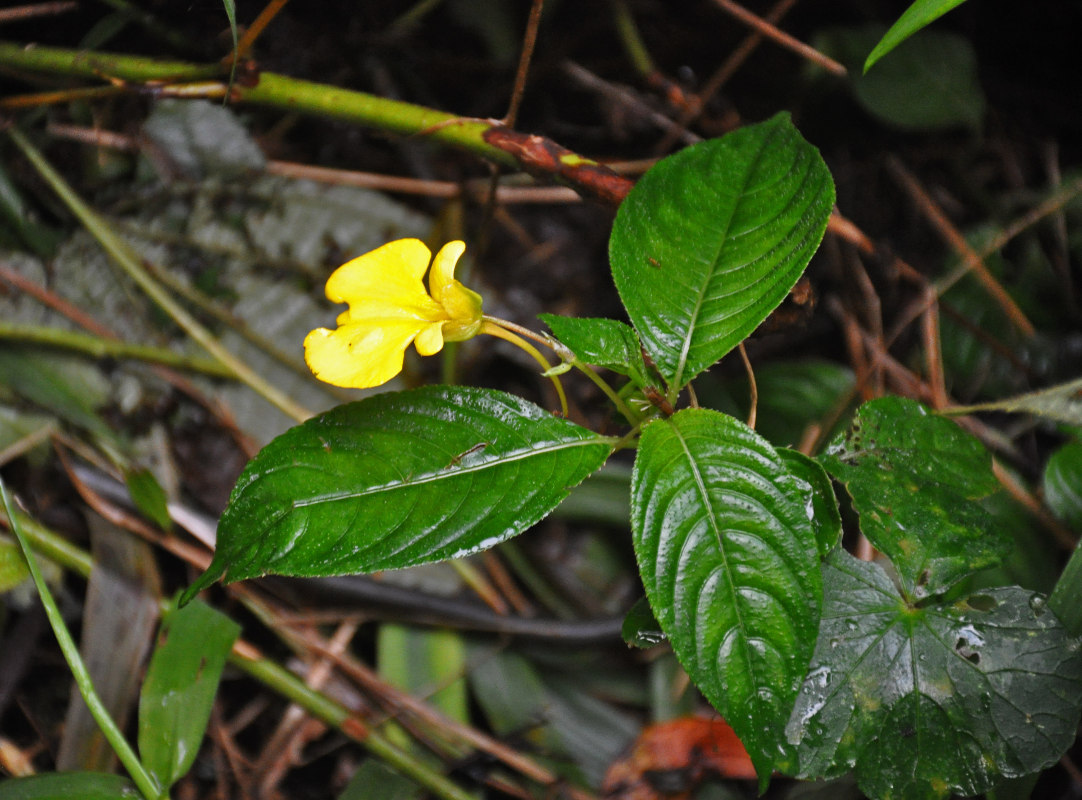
{"x":794,"y":395}
{"x":923,"y":702}
{"x":399,"y":479}
{"x":917,"y":16}
{"x":149,"y":496}
{"x":601,"y":342}
{"x":1063,"y":484}
{"x":374,"y":780}
{"x":180,"y":686}
{"x":917,"y":480}
{"x":557,"y":716}
{"x":711,"y":240}
{"x":66,"y":785}
{"x":928,"y":83}
{"x":13,"y":570}
{"x":825,"y":518}
{"x":727,"y":553}
{"x":641,"y":628}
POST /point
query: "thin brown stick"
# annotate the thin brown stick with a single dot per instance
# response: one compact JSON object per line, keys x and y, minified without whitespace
{"x":1063,"y":535}
{"x":486,"y":744}
{"x":19,"y":13}
{"x":721,"y":76}
{"x":933,"y":355}
{"x":780,"y":37}
{"x":950,"y":234}
{"x":283,"y":749}
{"x":629,"y":100}
{"x":259,"y":24}
{"x":753,"y":387}
{"x":529,"y":42}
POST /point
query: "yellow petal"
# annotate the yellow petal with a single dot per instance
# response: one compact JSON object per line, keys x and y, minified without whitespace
{"x":462,"y":305}
{"x":359,"y":355}
{"x":430,"y":340}
{"x":386,"y":283}
{"x":443,"y":267}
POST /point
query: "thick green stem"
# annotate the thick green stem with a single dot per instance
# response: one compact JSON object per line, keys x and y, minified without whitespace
{"x":485,"y":138}
{"x":266,"y":88}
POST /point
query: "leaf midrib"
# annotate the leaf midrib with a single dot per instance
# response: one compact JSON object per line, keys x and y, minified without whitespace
{"x":685,"y":349}
{"x":447,"y":473}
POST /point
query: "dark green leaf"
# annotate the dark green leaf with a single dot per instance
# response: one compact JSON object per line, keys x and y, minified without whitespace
{"x":1063,"y":484}
{"x":711,"y":240}
{"x":400,"y":479}
{"x":826,"y":518}
{"x":923,"y":702}
{"x":374,"y":780}
{"x":641,"y":628}
{"x":928,"y":83}
{"x":727,"y":553}
{"x":180,"y":686}
{"x":917,"y":480}
{"x":794,"y":395}
{"x":68,"y":785}
{"x":917,"y":16}
{"x":601,"y":342}
{"x":558,"y":717}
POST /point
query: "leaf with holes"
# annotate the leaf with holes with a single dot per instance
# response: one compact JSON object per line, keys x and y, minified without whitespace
{"x":399,"y":479}
{"x":917,"y":481}
{"x":727,"y":552}
{"x":925,"y":700}
{"x":711,"y":240}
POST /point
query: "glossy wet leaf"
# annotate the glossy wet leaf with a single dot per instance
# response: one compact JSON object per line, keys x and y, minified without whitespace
{"x":918,"y":15}
{"x":68,"y":785}
{"x":711,"y":240}
{"x":916,"y":480}
{"x":925,"y":701}
{"x":606,"y":343}
{"x":400,"y":479}
{"x":727,"y":552}
{"x":180,"y":686}
{"x":826,"y":518}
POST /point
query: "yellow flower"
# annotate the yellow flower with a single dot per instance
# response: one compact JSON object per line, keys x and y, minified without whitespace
{"x":388,"y":309}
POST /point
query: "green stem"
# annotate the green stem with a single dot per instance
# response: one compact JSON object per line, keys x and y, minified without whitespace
{"x":108,"y":348}
{"x":146,"y":782}
{"x":131,"y":263}
{"x":569,"y":357}
{"x":496,"y":327}
{"x":57,"y":549}
{"x":633,"y":44}
{"x":270,"y":89}
{"x":322,"y":707}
